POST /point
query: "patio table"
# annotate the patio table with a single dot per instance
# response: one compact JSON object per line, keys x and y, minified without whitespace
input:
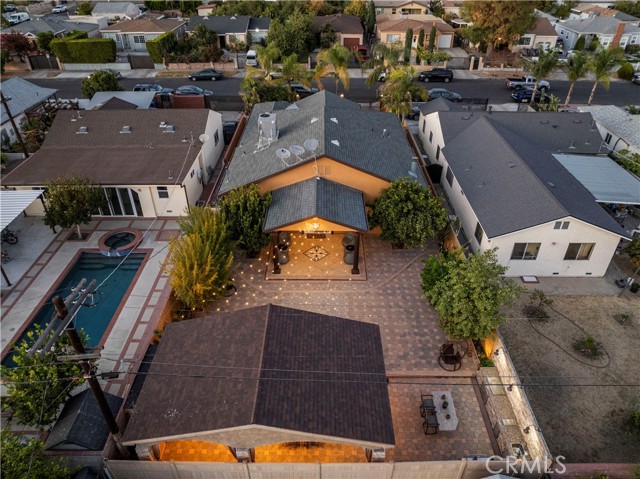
{"x":445,"y":424}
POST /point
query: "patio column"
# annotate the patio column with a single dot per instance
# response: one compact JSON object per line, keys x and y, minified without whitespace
{"x":356,"y":255}
{"x":375,"y":454}
{"x":274,"y":253}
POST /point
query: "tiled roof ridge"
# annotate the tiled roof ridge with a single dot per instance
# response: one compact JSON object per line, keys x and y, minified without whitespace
{"x":268,"y":312}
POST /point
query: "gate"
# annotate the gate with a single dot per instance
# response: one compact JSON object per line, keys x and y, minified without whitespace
{"x":43,"y":62}
{"x":140,"y":62}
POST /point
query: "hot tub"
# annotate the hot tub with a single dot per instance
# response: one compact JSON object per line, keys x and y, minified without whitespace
{"x":119,"y":242}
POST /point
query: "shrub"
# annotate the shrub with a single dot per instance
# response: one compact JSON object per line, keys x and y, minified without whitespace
{"x":84,"y":50}
{"x":588,"y":347}
{"x":593,"y":46}
{"x":632,"y":49}
{"x":579,"y":46}
{"x":625,"y":72}
{"x":159,"y":46}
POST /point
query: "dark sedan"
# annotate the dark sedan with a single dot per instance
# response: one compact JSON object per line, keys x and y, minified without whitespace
{"x":192,"y":90}
{"x":437,"y":74}
{"x":524,"y":96}
{"x":444,"y":93}
{"x":207,"y":74}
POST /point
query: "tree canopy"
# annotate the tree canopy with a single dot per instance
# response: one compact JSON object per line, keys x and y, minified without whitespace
{"x":24,"y":458}
{"x":101,"y":80}
{"x":334,"y":61}
{"x":468,"y":292}
{"x":84,"y":8}
{"x":71,"y":202}
{"x":385,"y":57}
{"x":292,"y":35}
{"x":408,"y":213}
{"x":259,"y":90}
{"x":496,"y":23}
{"x":601,"y":65}
{"x":541,"y":68}
{"x":399,"y":90}
{"x":576,"y":69}
{"x":44,"y":41}
{"x":37,"y":387}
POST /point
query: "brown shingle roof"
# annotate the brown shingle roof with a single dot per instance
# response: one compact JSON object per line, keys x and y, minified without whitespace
{"x":142,"y":157}
{"x":402,"y":24}
{"x":317,"y":374}
{"x":544,"y":28}
{"x":340,"y":23}
{"x":145,"y":25}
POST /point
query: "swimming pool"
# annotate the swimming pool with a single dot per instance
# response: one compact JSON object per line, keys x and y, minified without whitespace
{"x":93,"y":320}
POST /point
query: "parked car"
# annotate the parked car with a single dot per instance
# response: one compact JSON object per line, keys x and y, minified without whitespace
{"x":192,"y":90}
{"x":9,"y":8}
{"x":518,"y":83}
{"x":636,"y":78}
{"x":152,"y":87}
{"x":228,"y":129}
{"x":437,"y":74}
{"x":59,"y":9}
{"x":300,"y":91}
{"x":207,"y":74}
{"x":444,"y":93}
{"x":382,"y":76}
{"x":18,"y":17}
{"x":414,"y":114}
{"x":361,"y":53}
{"x":524,"y":96}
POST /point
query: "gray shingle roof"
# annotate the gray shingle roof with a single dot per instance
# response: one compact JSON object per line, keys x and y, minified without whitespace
{"x":276,"y":358}
{"x":340,"y":22}
{"x":440,"y":104}
{"x":618,"y":121}
{"x":513,"y":184}
{"x":601,"y":24}
{"x":261,"y":23}
{"x":222,"y":24}
{"x":22,"y":96}
{"x":81,"y":424}
{"x":112,"y":8}
{"x":369,"y":141}
{"x":317,"y":197}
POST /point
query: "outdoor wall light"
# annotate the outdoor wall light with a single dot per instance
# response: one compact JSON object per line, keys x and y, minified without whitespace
{"x":496,"y":352}
{"x":527,"y":429}
{"x":510,"y":387}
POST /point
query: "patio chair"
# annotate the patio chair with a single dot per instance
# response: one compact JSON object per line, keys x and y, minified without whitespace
{"x":427,"y":405}
{"x":451,"y":354}
{"x":430,"y":424}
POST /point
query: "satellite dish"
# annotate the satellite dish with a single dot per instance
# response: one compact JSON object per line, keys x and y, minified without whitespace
{"x":283,"y":153}
{"x":311,"y":144}
{"x":203,"y":138}
{"x":296,"y":150}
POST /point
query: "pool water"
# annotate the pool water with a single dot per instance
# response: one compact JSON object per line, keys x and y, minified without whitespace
{"x":117,"y":240}
{"x":93,"y":320}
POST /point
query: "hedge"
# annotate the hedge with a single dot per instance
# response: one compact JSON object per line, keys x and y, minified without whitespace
{"x":160,"y":45}
{"x":84,"y":50}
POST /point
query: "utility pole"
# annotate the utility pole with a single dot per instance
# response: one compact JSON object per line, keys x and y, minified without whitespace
{"x":13,"y":124}
{"x":89,"y":374}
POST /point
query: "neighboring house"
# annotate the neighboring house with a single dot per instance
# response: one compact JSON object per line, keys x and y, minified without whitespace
{"x":120,"y":100}
{"x":23,"y":99}
{"x":149,"y":162}
{"x":542,"y":35}
{"x":453,"y":8}
{"x":271,"y":409}
{"x":347,"y":27}
{"x":608,"y":30}
{"x":586,"y":10}
{"x":401,"y":7}
{"x":236,"y":27}
{"x":393,"y":30}
{"x":114,"y":11}
{"x":620,"y":129}
{"x":58,"y":27}
{"x":132,"y":35}
{"x":509,"y":191}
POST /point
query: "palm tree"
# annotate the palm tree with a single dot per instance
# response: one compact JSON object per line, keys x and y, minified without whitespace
{"x":334,"y":60}
{"x":541,"y":68}
{"x":292,"y":71}
{"x":577,"y":68}
{"x":601,"y":64}
{"x":267,"y":56}
{"x":399,"y":90}
{"x":385,"y":57}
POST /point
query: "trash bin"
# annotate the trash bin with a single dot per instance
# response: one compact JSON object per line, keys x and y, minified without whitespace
{"x":349,"y":254}
{"x":473,"y":62}
{"x":283,"y":254}
{"x":635,"y":287}
{"x":349,"y":239}
{"x":284,"y":238}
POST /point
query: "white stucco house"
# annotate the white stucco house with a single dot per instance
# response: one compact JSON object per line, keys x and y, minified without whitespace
{"x":619,"y":129}
{"x":132,"y":35}
{"x":609,"y":31}
{"x":541,"y":35}
{"x":509,"y":192}
{"x":114,"y":11}
{"x":149,"y":163}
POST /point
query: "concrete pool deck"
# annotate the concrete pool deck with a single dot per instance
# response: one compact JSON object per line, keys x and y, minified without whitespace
{"x":45,"y":256}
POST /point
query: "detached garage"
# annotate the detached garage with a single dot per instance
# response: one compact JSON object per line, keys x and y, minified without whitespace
{"x":347,"y":27}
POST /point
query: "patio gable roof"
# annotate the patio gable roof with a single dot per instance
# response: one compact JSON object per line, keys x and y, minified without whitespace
{"x":317,"y":197}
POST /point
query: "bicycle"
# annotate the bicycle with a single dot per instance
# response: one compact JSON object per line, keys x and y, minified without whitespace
{"x":9,"y":236}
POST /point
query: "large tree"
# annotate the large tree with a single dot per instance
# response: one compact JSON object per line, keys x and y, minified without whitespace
{"x":385,"y":57}
{"x":577,"y":68}
{"x":71,"y":202}
{"x":420,"y":44}
{"x":632,"y":8}
{"x":44,"y":41}
{"x":84,"y":8}
{"x":496,"y":23}
{"x":36,"y":387}
{"x":408,"y":214}
{"x":358,"y":8}
{"x":468,"y":292}
{"x":633,"y":250}
{"x":541,"y":68}
{"x":602,"y":63}
{"x":334,"y":61}
{"x":294,"y":71}
{"x":408,"y":41}
{"x":24,"y":458}
{"x":245,"y":210}
{"x":399,"y":91}
{"x":258,"y":90}
{"x":16,"y":44}
{"x":199,"y":261}
{"x":292,"y":35}
{"x":101,"y":80}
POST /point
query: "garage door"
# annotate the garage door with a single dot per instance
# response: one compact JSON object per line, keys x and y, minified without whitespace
{"x":350,"y":43}
{"x":444,"y":41}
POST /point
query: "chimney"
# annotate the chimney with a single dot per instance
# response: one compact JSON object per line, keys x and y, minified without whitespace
{"x":616,"y":36}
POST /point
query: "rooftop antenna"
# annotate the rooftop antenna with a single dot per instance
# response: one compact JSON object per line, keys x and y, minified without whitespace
{"x":283,"y":154}
{"x":311,"y":144}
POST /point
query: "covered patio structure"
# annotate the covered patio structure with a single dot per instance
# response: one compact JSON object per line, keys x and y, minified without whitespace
{"x":267,"y":384}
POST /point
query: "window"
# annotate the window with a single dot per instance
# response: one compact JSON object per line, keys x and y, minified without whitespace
{"x":561,"y":32}
{"x":526,"y":41}
{"x":163,"y":192}
{"x":634,"y":39}
{"x":607,"y":139}
{"x":216,"y":138}
{"x":438,"y":153}
{"x":430,"y":136}
{"x":379,"y":10}
{"x":561,"y":225}
{"x":139,"y":39}
{"x":393,"y":38}
{"x":424,"y":124}
{"x":478,"y":234}
{"x":579,"y":251}
{"x":525,"y":250}
{"x":393,"y":11}
{"x":449,"y":176}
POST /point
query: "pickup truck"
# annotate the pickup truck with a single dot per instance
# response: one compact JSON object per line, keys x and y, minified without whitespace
{"x":526,"y":81}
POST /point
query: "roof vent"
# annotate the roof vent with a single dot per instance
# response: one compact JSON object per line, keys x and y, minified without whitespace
{"x":577,"y":121}
{"x":163,"y":124}
{"x":544,"y":122}
{"x":169,"y":129}
{"x":572,"y":146}
{"x":335,"y":120}
{"x":83,"y":130}
{"x":314,"y":119}
{"x":335,"y":142}
{"x":125,"y":129}
{"x":511,"y":165}
{"x":551,"y":184}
